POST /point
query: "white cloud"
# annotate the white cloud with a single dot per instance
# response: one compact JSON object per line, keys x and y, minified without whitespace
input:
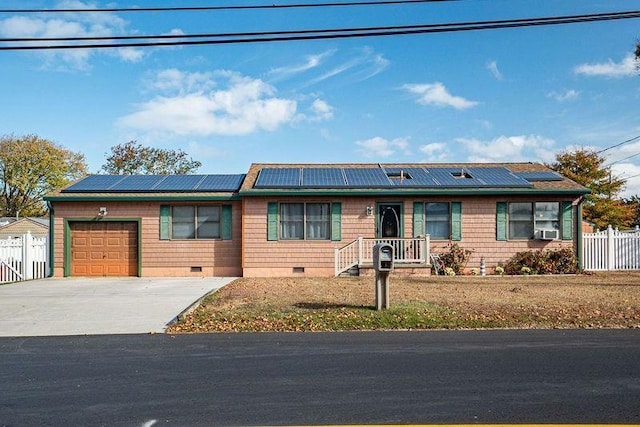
{"x":311,"y":61}
{"x":201,"y":151}
{"x":381,"y":147}
{"x":509,"y":149}
{"x":492,"y":66}
{"x":364,"y":66}
{"x":321,"y":110}
{"x":631,"y":171}
{"x":624,"y":68}
{"x":244,"y":106}
{"x":173,"y":80}
{"x":318,"y":111}
{"x":373,"y":63}
{"x":175,"y":32}
{"x":435,"y":151}
{"x":438,"y":95}
{"x":71,"y":24}
{"x":567,"y":95}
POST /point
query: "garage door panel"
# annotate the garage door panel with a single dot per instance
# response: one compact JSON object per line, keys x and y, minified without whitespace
{"x":96,"y":241}
{"x":96,"y":270}
{"x":79,"y":241}
{"x":79,"y":255}
{"x":104,"y":249}
{"x":79,"y":270}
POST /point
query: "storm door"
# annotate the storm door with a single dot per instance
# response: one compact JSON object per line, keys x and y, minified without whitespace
{"x":389,"y":220}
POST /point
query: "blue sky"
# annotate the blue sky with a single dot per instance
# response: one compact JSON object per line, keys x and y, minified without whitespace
{"x":519,"y":94}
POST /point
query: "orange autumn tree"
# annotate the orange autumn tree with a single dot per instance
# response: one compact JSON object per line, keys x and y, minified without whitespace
{"x":602,"y":206}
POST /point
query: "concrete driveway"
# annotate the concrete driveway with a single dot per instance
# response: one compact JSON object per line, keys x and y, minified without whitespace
{"x":83,"y":306}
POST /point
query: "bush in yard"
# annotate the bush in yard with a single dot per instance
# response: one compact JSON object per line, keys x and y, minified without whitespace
{"x":456,"y":258}
{"x":560,"y":261}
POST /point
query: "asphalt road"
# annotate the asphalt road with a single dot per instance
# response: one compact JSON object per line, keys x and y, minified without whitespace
{"x":590,"y":376}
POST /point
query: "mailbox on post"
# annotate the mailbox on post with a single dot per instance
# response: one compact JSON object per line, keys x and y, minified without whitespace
{"x":382,"y":264}
{"x":383,"y":257}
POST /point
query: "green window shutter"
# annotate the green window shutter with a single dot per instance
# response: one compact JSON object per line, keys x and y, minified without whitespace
{"x":165,"y":222}
{"x":272,"y":221}
{"x":501,"y":221}
{"x":226,"y":222}
{"x":418,"y":219}
{"x":336,"y":221}
{"x":567,"y":221}
{"x":456,"y":221}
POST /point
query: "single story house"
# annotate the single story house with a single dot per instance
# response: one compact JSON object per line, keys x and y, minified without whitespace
{"x":309,"y":219}
{"x":11,"y":228}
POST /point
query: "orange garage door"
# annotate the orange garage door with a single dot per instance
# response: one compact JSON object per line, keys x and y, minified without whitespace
{"x":104,"y":248}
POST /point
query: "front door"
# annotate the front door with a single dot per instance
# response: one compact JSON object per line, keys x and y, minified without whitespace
{"x":389,"y":220}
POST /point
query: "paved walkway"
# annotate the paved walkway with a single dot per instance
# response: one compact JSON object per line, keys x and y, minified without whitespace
{"x":81,"y":306}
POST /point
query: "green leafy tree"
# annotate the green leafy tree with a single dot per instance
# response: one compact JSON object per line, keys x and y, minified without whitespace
{"x":31,"y":167}
{"x":602,"y":206}
{"x":133,"y":158}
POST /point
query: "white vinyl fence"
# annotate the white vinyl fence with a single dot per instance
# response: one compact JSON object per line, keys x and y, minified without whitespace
{"x":24,"y":258}
{"x":611,"y":250}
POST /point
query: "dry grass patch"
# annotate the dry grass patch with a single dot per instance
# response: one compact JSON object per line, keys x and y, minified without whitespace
{"x":295,"y":304}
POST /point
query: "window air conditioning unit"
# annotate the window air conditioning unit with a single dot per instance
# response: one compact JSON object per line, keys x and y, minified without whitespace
{"x":547,"y":234}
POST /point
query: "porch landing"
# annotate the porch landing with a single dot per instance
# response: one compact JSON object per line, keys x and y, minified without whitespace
{"x":411,"y":257}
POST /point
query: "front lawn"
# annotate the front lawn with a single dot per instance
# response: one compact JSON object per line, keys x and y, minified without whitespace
{"x":603,"y":300}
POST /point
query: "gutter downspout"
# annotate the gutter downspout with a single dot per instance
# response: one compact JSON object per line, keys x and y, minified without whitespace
{"x":579,"y":242}
{"x":51,"y":234}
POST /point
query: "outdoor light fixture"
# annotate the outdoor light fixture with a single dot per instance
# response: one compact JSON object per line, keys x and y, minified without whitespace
{"x":369,"y":210}
{"x":102,"y":212}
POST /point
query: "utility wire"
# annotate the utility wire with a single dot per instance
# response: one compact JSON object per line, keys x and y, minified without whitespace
{"x":629,"y":177}
{"x":458,"y":26}
{"x":624,"y":158}
{"x":619,"y":144}
{"x":229,"y":7}
{"x":255,"y":37}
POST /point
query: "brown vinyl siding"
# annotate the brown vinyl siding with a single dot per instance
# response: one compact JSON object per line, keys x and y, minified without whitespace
{"x":262,"y":258}
{"x":158,"y":257}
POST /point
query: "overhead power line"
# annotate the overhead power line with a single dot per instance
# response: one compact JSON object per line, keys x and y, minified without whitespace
{"x":629,"y":177}
{"x":275,"y":36}
{"x":619,"y":144}
{"x":227,"y":7}
{"x":622,"y":159}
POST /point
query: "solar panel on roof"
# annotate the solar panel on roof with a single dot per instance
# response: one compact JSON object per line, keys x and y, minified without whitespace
{"x":540,"y":176}
{"x":94,"y":183}
{"x":220,"y":183}
{"x":366,"y":177}
{"x":410,"y":177}
{"x":179,"y":183}
{"x":137,"y":183}
{"x":454,"y":177}
{"x":157,"y":183}
{"x":476,"y":177}
{"x":498,"y":177}
{"x":323,"y":177}
{"x":278,"y":178}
